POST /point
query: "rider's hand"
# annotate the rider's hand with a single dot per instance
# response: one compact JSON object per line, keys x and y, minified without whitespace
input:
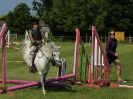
{"x":34,"y":43}
{"x":116,"y":54}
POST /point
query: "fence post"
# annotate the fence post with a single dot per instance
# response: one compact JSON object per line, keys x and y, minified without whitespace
{"x":130,"y":39}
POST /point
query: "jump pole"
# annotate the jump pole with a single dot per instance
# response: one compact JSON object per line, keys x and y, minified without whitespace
{"x":33,"y":83}
{"x":2,"y":38}
{"x":8,"y":39}
{"x":77,"y":43}
{"x":62,"y":69}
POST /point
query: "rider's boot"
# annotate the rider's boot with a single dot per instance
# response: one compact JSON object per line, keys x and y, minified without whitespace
{"x":33,"y":69}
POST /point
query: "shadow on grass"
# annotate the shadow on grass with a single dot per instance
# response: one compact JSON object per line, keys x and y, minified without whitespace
{"x":59,"y":87}
{"x":56,"y":87}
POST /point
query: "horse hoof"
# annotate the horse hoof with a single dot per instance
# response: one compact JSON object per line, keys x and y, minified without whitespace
{"x":44,"y":92}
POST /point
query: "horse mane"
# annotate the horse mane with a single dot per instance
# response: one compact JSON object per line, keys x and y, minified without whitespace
{"x":50,"y":46}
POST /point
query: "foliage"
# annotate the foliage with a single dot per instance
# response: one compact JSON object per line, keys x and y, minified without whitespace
{"x":2,"y":17}
{"x":19,"y":19}
{"x":66,"y":15}
{"x":120,"y":15}
{"x":42,"y":7}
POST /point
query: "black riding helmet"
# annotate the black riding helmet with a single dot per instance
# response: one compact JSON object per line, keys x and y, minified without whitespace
{"x":35,"y":23}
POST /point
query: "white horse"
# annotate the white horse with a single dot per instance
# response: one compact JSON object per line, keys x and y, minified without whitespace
{"x":48,"y":53}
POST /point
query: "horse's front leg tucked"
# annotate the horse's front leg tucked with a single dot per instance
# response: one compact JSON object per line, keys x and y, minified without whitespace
{"x":42,"y":79}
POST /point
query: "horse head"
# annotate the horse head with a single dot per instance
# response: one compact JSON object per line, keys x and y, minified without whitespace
{"x":27,"y":38}
{"x":52,"y":52}
{"x":56,"y":55}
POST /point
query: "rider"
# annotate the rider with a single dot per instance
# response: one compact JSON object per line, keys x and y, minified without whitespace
{"x":36,"y":41}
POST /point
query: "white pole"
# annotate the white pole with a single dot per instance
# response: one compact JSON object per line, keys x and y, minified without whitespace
{"x":129,"y":39}
{"x":8,"y":38}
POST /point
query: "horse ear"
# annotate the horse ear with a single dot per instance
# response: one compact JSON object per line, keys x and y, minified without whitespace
{"x":27,"y":36}
{"x":58,"y":47}
{"x":46,"y":34}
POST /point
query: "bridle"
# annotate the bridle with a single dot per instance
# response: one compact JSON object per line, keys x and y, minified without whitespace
{"x":52,"y":60}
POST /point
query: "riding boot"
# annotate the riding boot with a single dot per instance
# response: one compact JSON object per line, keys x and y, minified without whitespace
{"x":33,"y":67}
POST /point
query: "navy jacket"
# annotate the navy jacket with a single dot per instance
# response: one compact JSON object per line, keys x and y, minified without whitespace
{"x":111,"y":48}
{"x":36,"y":34}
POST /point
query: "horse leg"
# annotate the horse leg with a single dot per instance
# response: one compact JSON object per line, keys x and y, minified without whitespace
{"x":42,"y":79}
{"x":42,"y":82}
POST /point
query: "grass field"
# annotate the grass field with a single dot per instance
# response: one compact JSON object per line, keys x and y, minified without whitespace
{"x":19,"y":70}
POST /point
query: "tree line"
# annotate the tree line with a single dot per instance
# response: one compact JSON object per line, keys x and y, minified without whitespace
{"x":66,"y":15}
{"x":63,"y":16}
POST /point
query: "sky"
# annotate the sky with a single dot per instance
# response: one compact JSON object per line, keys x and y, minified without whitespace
{"x":8,"y":5}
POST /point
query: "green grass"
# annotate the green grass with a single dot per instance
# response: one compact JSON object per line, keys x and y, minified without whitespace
{"x":20,"y":71}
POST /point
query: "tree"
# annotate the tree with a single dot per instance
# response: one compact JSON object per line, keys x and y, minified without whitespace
{"x":66,"y":15}
{"x":19,"y":19}
{"x":42,"y":7}
{"x":120,"y":15}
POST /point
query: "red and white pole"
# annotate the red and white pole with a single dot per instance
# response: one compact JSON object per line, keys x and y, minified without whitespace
{"x":2,"y":37}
